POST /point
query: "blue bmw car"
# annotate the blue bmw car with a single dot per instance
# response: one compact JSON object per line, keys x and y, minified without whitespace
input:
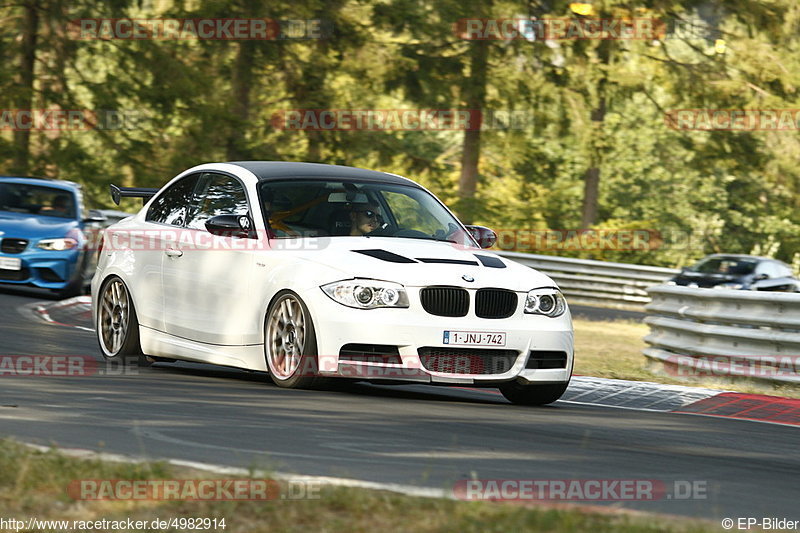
{"x":43,"y":235}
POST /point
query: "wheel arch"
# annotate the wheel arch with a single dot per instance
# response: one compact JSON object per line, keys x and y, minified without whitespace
{"x":103,"y":279}
{"x":285,"y":277}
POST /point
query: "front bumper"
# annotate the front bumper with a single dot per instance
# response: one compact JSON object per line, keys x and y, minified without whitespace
{"x":44,"y":269}
{"x":413,"y":330}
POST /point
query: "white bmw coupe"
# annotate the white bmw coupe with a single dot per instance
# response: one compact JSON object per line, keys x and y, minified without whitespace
{"x":311,"y":272}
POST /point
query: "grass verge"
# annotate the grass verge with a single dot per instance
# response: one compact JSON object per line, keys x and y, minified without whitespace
{"x":34,"y":484}
{"x":614,"y":350}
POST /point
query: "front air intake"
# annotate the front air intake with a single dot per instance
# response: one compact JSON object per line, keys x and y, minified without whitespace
{"x":477,"y":361}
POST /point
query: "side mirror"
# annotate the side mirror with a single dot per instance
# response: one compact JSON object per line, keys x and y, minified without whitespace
{"x":759,"y":277}
{"x":230,"y":226}
{"x":483,"y":236}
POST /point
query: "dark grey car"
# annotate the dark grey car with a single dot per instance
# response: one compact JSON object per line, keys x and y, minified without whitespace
{"x":733,"y":271}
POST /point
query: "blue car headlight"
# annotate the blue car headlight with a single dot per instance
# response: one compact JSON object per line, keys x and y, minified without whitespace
{"x":57,"y":245}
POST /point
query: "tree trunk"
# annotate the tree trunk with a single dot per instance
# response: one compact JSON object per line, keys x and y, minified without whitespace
{"x":24,"y":100}
{"x":315,"y":84}
{"x":242,"y":83}
{"x":474,"y":91}
{"x":591,"y":192}
{"x":591,"y":180}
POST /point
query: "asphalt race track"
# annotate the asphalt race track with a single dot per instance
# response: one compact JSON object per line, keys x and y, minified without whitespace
{"x":418,"y":435}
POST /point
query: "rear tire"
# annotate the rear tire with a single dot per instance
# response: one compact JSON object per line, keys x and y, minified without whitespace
{"x":117,"y":326}
{"x":290,"y":343}
{"x":532,"y":394}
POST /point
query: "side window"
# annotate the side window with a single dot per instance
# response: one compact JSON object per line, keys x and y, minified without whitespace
{"x":172,"y":206}
{"x":215,"y":195}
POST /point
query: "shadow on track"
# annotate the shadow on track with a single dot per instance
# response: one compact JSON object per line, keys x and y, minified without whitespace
{"x":29,"y":292}
{"x":419,"y":392}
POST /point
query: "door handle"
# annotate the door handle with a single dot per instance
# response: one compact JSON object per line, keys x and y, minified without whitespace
{"x":173,"y":252}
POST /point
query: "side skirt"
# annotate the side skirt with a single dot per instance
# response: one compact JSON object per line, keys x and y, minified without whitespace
{"x":160,"y":344}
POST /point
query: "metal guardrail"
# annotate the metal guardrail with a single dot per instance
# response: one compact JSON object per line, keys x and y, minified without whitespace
{"x":597,"y":282}
{"x":709,"y":332}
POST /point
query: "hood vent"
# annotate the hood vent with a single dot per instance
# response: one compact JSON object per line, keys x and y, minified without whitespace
{"x":447,"y":261}
{"x":390,"y":257}
{"x":383,"y":255}
{"x":489,"y":261}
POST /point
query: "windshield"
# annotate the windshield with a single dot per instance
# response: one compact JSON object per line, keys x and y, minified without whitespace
{"x":725,"y":265}
{"x":36,"y":200}
{"x":322,"y":208}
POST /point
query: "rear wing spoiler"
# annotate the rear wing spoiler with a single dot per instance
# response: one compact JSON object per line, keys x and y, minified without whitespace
{"x":131,"y":192}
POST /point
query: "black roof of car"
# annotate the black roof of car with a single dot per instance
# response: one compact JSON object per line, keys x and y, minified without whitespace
{"x":741,"y":257}
{"x":744,"y":257}
{"x":273,"y":170}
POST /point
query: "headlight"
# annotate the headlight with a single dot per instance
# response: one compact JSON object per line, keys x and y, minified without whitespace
{"x":547,"y":302}
{"x":367,"y":293}
{"x":57,"y":245}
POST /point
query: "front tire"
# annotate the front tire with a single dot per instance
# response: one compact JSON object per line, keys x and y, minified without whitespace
{"x":117,"y":326}
{"x":290,"y":343}
{"x":532,"y":394}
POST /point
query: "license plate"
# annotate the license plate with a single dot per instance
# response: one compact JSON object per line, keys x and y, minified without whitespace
{"x":10,"y":263}
{"x":475,"y":338}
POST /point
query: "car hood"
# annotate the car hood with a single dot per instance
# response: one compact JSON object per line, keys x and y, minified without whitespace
{"x":417,"y":262}
{"x":34,"y":227}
